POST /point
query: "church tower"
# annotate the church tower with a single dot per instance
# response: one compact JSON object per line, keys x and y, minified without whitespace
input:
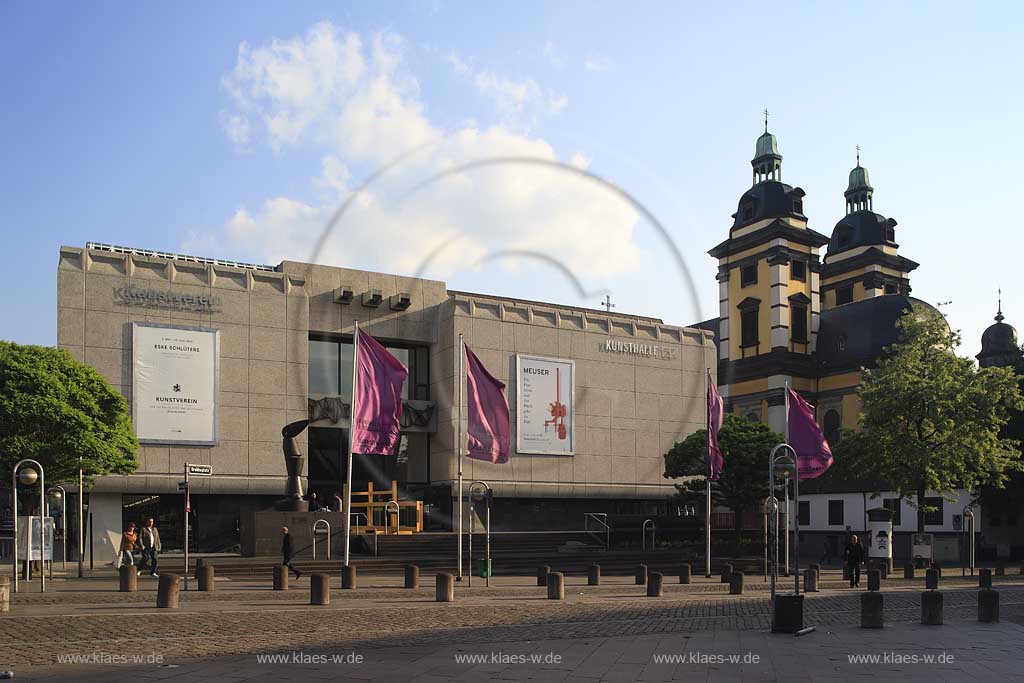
{"x":999,"y":347}
{"x":768,"y":275}
{"x":862,"y":260}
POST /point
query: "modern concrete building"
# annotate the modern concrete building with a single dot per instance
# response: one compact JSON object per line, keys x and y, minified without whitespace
{"x":285,"y":354}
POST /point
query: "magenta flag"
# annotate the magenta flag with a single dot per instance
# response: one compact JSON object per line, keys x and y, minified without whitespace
{"x":488,"y":434}
{"x":377,"y":405}
{"x":813,"y":454}
{"x":715,"y":417}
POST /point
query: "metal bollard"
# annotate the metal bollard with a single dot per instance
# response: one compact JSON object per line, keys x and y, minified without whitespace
{"x":726,"y":571}
{"x":348,"y":577}
{"x":556,"y":586}
{"x":938,"y":568}
{"x":655,"y":582}
{"x":872,"y":610}
{"x":129,"y":579}
{"x":594,"y":575}
{"x":908,"y":570}
{"x":985,"y":578}
{"x":874,"y":580}
{"x":5,"y":594}
{"x":684,"y":573}
{"x":444,"y":590}
{"x":931,"y":579}
{"x":412,"y":576}
{"x":319,"y":589}
{"x":640,"y":576}
{"x":988,"y":606}
{"x":542,"y":574}
{"x":811,"y":581}
{"x":931,"y":608}
{"x":204,"y":575}
{"x":815,"y":566}
{"x":167,"y":591}
{"x":280,"y":577}
{"x":736,"y":583}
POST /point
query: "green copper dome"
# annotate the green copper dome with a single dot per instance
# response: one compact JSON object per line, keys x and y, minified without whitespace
{"x":767,"y":145}
{"x":859,"y":179}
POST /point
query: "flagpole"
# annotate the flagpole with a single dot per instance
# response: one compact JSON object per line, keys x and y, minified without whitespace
{"x":351,"y":432}
{"x":785,"y":481}
{"x":707,"y":521}
{"x":458,"y":446}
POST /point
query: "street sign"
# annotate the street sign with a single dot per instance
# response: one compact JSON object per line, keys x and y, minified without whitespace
{"x":201,"y":470}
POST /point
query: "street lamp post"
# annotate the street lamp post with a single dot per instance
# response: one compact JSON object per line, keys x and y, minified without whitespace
{"x":29,"y":476}
{"x":60,"y":494}
{"x":485,"y":491}
{"x":969,"y":526}
{"x":81,"y":523}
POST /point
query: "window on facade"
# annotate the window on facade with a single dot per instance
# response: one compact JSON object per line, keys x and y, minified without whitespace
{"x":749,"y":328}
{"x":330,"y":368}
{"x":324,"y":373}
{"x":748,"y":275}
{"x":798,"y":270}
{"x":893,"y":504}
{"x":835,"y":513}
{"x":798,"y":205}
{"x":844,"y":295}
{"x":832,"y":423}
{"x":933,"y":518}
{"x":799,"y":323}
{"x":803,"y":515}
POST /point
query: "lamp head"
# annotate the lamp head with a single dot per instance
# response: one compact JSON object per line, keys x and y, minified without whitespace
{"x":27,"y":476}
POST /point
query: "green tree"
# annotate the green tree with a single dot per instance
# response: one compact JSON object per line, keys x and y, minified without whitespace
{"x":56,"y":410}
{"x":931,"y":420}
{"x":743,"y":485}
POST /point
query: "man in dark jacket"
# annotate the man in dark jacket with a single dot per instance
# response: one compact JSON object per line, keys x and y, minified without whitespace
{"x":286,"y":551}
{"x":854,"y":556}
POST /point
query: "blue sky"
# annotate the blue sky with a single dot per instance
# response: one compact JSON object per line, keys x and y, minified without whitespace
{"x":234,"y":130}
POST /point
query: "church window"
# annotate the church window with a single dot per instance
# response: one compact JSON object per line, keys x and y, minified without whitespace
{"x":832,"y":424}
{"x":749,"y":328}
{"x":748,"y":275}
{"x":799,"y":328}
{"x":891,"y":289}
{"x":798,"y":269}
{"x":844,"y":295}
{"x":798,"y":205}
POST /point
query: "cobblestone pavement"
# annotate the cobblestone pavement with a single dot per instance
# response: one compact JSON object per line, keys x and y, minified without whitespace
{"x":242,"y":619}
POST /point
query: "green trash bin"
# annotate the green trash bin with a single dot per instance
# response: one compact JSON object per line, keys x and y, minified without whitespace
{"x":484,"y":568}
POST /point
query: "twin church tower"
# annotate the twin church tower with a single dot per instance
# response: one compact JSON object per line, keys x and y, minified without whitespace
{"x":790,"y":315}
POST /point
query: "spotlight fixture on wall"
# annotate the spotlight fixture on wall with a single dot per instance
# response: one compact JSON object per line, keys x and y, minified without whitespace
{"x":343,"y":295}
{"x":400,"y":302}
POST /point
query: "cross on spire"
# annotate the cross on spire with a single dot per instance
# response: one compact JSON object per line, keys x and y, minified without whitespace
{"x":607,"y":303}
{"x":999,"y":311}
{"x":858,"y":155}
{"x":766,"y":120}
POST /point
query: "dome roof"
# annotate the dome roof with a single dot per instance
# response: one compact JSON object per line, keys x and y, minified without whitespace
{"x":998,"y":339}
{"x":767,"y":145}
{"x":859,"y":179}
{"x":856,"y":334}
{"x":860,"y":229}
{"x":769,"y":199}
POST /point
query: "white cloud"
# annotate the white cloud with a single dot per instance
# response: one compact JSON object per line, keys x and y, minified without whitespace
{"x":355,"y":99}
{"x":596,"y":63}
{"x":518,"y":102}
{"x":553,"y":55}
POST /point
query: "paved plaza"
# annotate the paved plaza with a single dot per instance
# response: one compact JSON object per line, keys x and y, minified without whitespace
{"x":84,"y":630}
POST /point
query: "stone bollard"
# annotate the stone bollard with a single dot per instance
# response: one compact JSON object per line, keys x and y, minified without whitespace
{"x":640,"y":576}
{"x":319,"y":589}
{"x":1000,"y":569}
{"x":412,"y":576}
{"x":684,"y":573}
{"x":167,"y":591}
{"x":846,"y":572}
{"x":594,"y":575}
{"x":200,"y":563}
{"x":204,"y":575}
{"x":988,"y":606}
{"x":931,"y":608}
{"x":815,"y":566}
{"x":874,"y":580}
{"x":883,"y":567}
{"x":726,"y":571}
{"x":280,"y":577}
{"x":655,"y":581}
{"x":789,"y":614}
{"x":736,"y":583}
{"x":919,"y":563}
{"x":937,"y":568}
{"x":811,"y":581}
{"x":542,"y":574}
{"x":931,"y":579}
{"x":444,"y":590}
{"x":908,"y":570}
{"x":556,"y":586}
{"x":129,"y":578}
{"x":872,"y":610}
{"x":5,"y":594}
{"x":984,"y":578}
{"x":348,"y":577}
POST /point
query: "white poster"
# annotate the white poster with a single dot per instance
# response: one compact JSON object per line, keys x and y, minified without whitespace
{"x":544,"y":408}
{"x":175,"y":382}
{"x":29,"y":545}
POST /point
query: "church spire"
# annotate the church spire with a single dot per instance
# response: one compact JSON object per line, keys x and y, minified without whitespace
{"x":767,"y":161}
{"x":999,"y":309}
{"x":859,"y":191}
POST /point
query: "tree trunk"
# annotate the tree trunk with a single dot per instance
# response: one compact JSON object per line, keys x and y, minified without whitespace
{"x":920,"y":507}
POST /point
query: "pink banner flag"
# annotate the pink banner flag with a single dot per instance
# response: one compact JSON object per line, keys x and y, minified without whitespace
{"x":715,"y":417}
{"x":377,"y":405}
{"x":813,"y":454}
{"x":488,"y":434}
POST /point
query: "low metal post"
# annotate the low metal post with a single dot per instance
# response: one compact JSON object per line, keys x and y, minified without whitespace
{"x":328,"y":525}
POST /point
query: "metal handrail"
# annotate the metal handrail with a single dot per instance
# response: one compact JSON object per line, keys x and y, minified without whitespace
{"x":366,"y":522}
{"x":328,"y":525}
{"x":643,"y":534}
{"x":387,"y":517}
{"x":602,"y":519}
